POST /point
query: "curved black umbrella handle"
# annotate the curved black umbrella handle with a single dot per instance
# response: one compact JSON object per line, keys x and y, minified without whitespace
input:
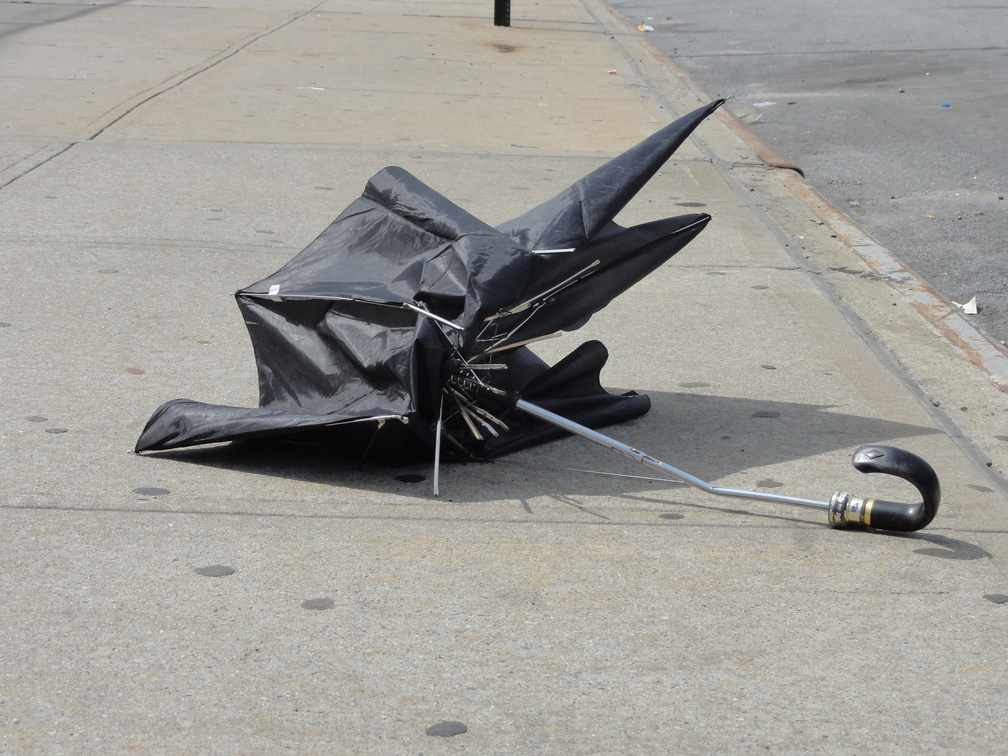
{"x":846,"y":510}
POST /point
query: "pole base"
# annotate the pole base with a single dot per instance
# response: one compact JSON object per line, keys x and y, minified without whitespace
{"x":502,"y":12}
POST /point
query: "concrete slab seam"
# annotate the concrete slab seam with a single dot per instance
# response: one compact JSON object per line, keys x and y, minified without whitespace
{"x":36,"y":160}
{"x":125,"y":108}
{"x":205,"y":66}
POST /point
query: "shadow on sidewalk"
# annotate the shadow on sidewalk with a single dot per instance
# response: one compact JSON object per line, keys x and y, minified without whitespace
{"x":709,"y":436}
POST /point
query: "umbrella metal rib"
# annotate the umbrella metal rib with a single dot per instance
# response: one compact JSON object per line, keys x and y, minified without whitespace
{"x":639,"y":456}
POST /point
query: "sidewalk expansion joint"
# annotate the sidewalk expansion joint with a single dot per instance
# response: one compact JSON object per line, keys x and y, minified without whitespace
{"x":175,"y":81}
{"x":55,"y":153}
{"x":127,"y":107}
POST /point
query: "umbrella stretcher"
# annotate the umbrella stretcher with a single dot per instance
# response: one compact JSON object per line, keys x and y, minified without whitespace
{"x":404,"y":329}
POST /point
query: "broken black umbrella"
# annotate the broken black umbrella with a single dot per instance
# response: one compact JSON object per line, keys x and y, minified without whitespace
{"x":404,"y":329}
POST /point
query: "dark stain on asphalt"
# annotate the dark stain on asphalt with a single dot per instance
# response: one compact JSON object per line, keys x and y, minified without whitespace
{"x":215,"y":570}
{"x":447,"y":729}
{"x":318,"y":604}
{"x":149,"y":491}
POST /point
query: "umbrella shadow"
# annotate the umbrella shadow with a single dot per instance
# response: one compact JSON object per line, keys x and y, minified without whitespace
{"x":719,"y":436}
{"x":948,"y":548}
{"x":708,"y":436}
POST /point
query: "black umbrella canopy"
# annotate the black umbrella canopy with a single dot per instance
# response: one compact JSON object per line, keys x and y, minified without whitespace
{"x":408,"y":314}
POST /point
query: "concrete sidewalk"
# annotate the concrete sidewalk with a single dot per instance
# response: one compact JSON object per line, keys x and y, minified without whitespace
{"x":157,"y":158}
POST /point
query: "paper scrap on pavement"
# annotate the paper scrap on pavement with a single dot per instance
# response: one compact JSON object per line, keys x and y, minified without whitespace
{"x":970,"y":308}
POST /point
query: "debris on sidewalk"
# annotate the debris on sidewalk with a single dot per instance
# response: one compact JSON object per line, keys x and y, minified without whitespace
{"x":970,"y":308}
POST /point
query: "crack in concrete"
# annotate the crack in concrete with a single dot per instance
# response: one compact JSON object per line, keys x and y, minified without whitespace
{"x":132,"y":104}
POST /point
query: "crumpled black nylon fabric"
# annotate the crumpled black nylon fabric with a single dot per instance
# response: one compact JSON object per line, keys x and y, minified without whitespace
{"x":337,"y":347}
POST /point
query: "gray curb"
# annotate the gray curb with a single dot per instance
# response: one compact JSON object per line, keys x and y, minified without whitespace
{"x":975,"y":344}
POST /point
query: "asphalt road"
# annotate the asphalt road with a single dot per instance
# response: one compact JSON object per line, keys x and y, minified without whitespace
{"x":895,"y":111}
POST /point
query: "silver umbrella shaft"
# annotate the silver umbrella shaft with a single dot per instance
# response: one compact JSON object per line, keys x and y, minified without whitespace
{"x":645,"y":459}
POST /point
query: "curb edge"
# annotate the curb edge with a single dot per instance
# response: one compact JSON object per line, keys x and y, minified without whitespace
{"x":982,"y":350}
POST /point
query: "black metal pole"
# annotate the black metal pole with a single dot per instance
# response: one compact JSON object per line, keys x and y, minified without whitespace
{"x":502,"y":12}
